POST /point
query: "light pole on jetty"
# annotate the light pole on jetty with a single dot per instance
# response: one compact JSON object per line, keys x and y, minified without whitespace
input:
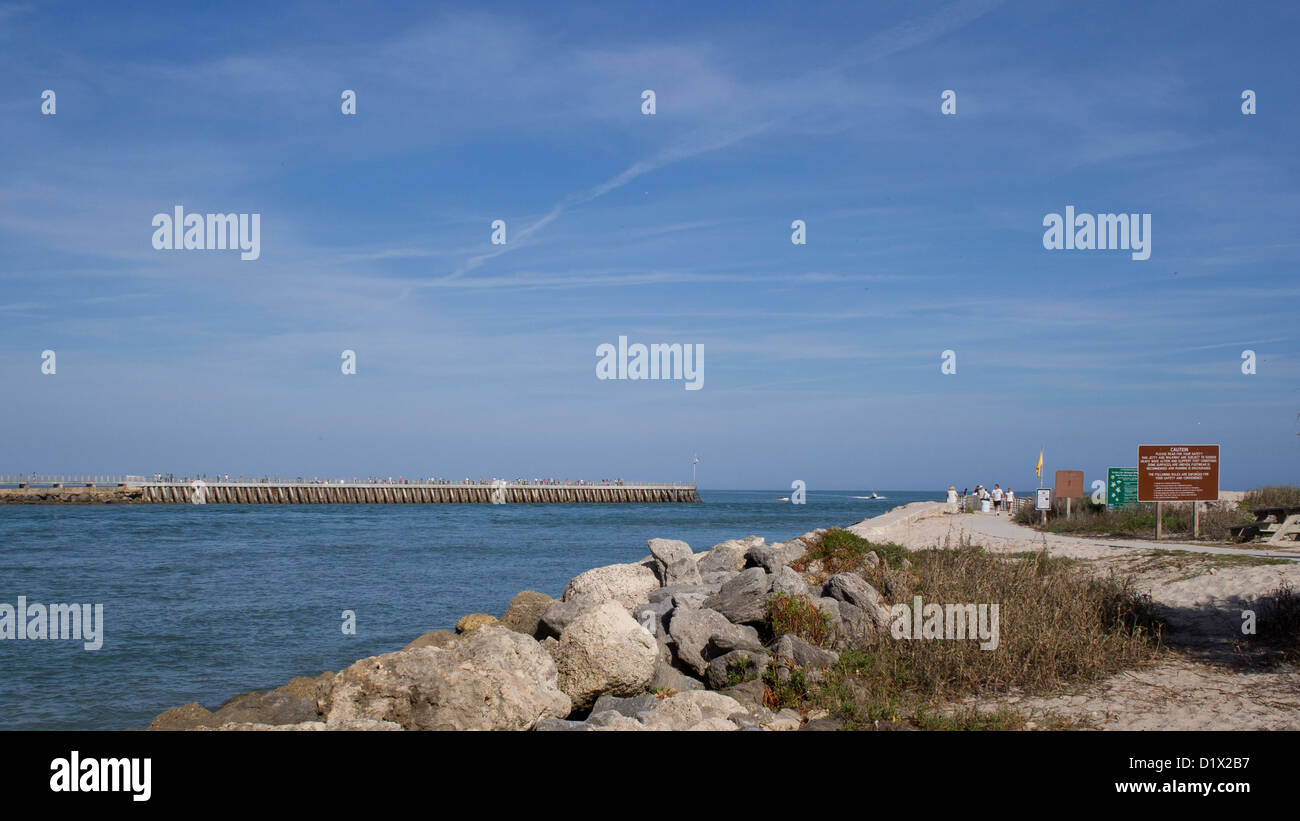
{"x":694,"y":462}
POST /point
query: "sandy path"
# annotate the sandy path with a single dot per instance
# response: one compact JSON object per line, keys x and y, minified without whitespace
{"x":1178,"y":694}
{"x":924,"y":524}
{"x":1202,"y":683}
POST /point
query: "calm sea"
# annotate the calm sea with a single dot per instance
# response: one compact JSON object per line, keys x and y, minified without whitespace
{"x":202,"y":603}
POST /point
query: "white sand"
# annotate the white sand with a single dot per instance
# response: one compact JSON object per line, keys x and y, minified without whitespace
{"x":1196,"y":686}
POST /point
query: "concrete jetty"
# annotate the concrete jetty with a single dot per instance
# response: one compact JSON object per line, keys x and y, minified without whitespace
{"x":137,"y":490}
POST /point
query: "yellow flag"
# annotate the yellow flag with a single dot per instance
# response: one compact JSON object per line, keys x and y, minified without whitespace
{"x":1038,"y":471}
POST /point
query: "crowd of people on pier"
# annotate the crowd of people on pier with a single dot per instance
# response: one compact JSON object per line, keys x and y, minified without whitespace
{"x":377,"y":480}
{"x":226,"y":478}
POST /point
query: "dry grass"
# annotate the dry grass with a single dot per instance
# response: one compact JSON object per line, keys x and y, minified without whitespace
{"x":1059,"y":626}
{"x":1272,"y":496}
{"x":1279,"y":621}
{"x":1138,"y":521}
{"x":798,"y":615}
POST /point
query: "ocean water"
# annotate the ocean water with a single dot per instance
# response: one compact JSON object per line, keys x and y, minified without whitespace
{"x":202,"y":603}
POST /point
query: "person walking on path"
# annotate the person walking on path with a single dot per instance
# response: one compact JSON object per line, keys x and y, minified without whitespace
{"x":997,"y":499}
{"x":952,"y":498}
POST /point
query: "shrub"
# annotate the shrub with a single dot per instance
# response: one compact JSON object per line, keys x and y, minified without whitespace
{"x":800,"y":616}
{"x":742,"y":670}
{"x":1279,"y":621}
{"x":791,"y":690}
{"x":839,"y":551}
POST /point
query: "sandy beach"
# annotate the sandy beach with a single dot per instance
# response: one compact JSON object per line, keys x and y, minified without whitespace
{"x":1204,"y":682}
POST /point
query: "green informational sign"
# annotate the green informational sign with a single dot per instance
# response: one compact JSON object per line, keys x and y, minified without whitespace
{"x":1121,"y":487}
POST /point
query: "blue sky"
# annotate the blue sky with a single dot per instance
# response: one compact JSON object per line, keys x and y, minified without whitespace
{"x":822,"y":361}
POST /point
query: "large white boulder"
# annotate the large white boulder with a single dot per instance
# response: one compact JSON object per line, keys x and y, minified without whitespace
{"x":490,"y":679}
{"x":627,"y":584}
{"x":604,"y":651}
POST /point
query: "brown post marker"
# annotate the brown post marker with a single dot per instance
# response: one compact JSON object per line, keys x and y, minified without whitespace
{"x":1196,"y":520}
{"x":1158,"y":522}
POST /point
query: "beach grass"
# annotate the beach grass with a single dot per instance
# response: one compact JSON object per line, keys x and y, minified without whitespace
{"x":1059,"y":626}
{"x":1272,"y":496}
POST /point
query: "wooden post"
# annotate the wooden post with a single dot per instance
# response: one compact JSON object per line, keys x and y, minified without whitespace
{"x":1158,"y":522}
{"x":1196,"y":520}
{"x":1067,"y":508}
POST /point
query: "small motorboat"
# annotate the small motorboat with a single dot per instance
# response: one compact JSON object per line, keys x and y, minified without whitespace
{"x":784,"y":499}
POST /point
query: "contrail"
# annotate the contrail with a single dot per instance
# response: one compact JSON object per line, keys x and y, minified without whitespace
{"x":899,"y":38}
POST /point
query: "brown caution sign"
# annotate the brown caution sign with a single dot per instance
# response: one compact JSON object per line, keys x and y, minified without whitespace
{"x":1178,"y":473}
{"x":1069,"y":484}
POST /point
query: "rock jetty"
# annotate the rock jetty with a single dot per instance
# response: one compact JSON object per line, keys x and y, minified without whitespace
{"x":678,"y":641}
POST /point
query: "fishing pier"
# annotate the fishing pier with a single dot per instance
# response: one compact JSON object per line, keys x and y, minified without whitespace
{"x":20,"y":489}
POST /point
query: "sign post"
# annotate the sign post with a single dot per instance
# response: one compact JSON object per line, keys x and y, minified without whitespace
{"x":1178,"y":473}
{"x":1043,"y":501}
{"x":1121,"y":487}
{"x":1069,"y":483}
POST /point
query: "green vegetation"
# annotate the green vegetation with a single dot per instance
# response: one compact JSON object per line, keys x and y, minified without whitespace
{"x":836,"y":551}
{"x":839,"y":551}
{"x":742,"y":670}
{"x":790,"y":690}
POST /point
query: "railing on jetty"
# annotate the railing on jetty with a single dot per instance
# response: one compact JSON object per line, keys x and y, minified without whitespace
{"x":81,"y":480}
{"x":268,"y":490}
